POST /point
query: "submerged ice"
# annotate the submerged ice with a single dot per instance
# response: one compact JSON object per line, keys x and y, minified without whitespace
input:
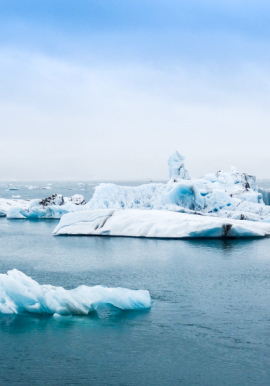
{"x":21,"y":294}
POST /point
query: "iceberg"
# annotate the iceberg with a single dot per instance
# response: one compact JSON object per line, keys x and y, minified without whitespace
{"x":6,"y":204}
{"x":223,"y":194}
{"x":52,"y":207}
{"x":31,"y":187}
{"x":21,"y":294}
{"x":156,"y":224}
{"x":232,"y":195}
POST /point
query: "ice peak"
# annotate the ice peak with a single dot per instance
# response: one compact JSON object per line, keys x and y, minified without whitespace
{"x":177,"y":167}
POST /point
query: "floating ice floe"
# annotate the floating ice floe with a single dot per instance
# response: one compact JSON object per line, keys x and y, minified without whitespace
{"x":7,"y":203}
{"x":156,"y":224}
{"x":33,"y":187}
{"x":52,"y":207}
{"x":21,"y":294}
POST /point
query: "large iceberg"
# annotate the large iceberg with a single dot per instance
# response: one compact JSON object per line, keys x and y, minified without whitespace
{"x":223,"y":194}
{"x":21,"y":294}
{"x":233,"y":195}
{"x":156,"y":224}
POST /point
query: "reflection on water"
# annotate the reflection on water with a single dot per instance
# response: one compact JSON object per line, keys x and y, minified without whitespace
{"x":224,"y":246}
{"x":106,"y":315}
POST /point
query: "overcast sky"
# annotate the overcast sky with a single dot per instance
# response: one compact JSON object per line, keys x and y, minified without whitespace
{"x":107,"y":89}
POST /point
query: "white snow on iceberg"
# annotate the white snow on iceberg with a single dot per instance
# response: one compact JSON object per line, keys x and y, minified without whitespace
{"x":156,"y":224}
{"x":19,"y":294}
{"x":183,"y":195}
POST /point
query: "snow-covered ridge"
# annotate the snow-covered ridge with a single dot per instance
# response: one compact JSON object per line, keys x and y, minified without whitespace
{"x":21,"y":294}
{"x":233,"y":195}
{"x":156,"y":224}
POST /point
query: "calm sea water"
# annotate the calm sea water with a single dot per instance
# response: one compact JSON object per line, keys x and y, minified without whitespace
{"x":209,"y":323}
{"x":42,"y":189}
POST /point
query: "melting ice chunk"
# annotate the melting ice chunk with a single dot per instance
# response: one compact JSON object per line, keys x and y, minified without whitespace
{"x":19,"y":294}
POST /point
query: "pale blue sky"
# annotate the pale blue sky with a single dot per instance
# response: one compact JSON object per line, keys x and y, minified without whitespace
{"x":108,"y":89}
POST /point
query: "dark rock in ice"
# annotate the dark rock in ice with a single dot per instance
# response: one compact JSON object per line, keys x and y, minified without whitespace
{"x":55,"y":199}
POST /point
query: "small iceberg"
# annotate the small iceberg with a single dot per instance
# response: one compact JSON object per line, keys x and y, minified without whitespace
{"x":21,"y":294}
{"x":52,"y":207}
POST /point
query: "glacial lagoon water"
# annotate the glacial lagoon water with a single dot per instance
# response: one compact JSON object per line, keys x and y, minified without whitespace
{"x":209,"y":323}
